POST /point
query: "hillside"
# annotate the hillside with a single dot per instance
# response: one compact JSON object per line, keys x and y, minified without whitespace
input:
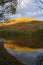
{"x":17,"y":20}
{"x":28,"y":24}
{"x":21,"y":19}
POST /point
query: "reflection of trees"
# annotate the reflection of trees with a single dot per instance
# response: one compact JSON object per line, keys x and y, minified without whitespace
{"x":39,"y":60}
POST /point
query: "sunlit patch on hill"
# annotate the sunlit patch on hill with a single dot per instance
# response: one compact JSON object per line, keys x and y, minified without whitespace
{"x":22,"y":24}
{"x":18,"y":20}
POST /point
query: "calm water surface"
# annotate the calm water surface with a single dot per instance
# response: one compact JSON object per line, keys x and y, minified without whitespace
{"x":28,"y":58}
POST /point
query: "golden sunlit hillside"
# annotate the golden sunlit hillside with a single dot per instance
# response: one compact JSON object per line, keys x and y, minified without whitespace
{"x":18,"y":20}
{"x":28,"y":24}
{"x":25,"y":19}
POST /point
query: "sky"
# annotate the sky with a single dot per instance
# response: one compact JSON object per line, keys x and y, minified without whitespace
{"x":29,"y":8}
{"x":25,"y":8}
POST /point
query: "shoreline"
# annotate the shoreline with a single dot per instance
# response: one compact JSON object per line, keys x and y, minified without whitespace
{"x":6,"y":58}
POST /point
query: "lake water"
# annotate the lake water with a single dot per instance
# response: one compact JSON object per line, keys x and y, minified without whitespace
{"x":28,"y":58}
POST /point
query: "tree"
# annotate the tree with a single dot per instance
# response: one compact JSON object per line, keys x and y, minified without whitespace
{"x":7,"y":7}
{"x":39,"y":3}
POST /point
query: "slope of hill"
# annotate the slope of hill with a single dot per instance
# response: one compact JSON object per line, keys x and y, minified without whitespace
{"x":17,"y":20}
{"x":23,"y":24}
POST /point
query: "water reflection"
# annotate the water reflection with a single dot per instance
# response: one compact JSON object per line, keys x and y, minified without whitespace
{"x":28,"y":58}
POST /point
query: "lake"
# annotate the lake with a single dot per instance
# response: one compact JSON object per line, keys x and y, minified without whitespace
{"x":27,"y":57}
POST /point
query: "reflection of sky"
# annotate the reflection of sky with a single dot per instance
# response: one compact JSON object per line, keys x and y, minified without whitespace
{"x":28,"y":58}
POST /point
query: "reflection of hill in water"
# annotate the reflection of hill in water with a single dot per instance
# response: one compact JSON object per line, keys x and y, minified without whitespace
{"x":29,"y":58}
{"x":6,"y":58}
{"x":20,"y":47}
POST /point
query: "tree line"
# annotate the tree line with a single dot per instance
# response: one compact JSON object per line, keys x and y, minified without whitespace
{"x":13,"y":34}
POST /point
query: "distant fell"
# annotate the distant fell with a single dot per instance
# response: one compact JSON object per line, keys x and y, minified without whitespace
{"x":27,"y":24}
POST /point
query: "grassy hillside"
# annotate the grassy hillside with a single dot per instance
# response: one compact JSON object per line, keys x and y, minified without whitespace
{"x":17,"y":20}
{"x":27,"y":24}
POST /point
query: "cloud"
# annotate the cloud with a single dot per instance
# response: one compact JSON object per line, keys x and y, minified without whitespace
{"x":28,"y":8}
{"x":27,"y":5}
{"x":34,"y":14}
